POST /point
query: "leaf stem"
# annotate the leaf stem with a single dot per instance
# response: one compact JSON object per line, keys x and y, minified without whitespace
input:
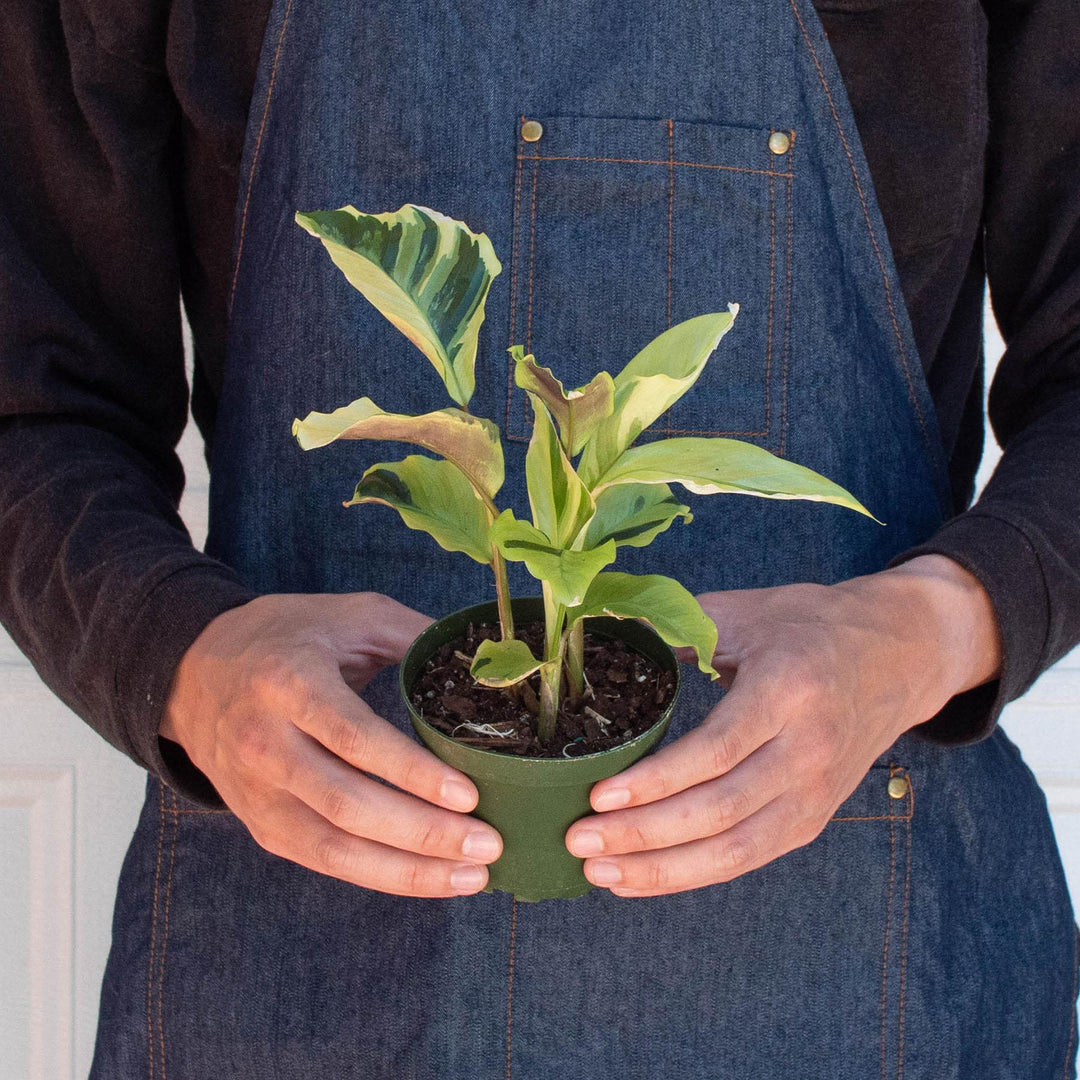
{"x":502,"y":593}
{"x":575,"y":660}
{"x":551,"y":673}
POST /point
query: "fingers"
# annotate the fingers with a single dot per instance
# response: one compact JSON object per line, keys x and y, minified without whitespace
{"x":372,"y":623}
{"x":289,"y":828}
{"x":346,"y":726}
{"x":701,"y":811}
{"x":360,"y":806}
{"x":742,"y":722}
{"x":774,"y":830}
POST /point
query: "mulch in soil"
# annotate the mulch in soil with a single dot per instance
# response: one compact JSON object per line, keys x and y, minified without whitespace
{"x":629,"y":694}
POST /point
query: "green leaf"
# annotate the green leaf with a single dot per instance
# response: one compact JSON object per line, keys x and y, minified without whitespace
{"x":569,"y":573}
{"x":503,"y":663}
{"x":662,"y":602}
{"x":560,"y":502}
{"x":634,"y":514}
{"x":427,"y":273}
{"x":431,"y":496}
{"x":711,"y":466}
{"x":577,"y":412}
{"x":470,"y":442}
{"x":651,"y":383}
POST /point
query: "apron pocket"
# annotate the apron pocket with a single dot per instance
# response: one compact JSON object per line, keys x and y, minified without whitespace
{"x":623,"y":227}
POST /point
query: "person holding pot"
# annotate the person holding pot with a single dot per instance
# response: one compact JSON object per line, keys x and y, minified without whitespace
{"x":843,"y":863}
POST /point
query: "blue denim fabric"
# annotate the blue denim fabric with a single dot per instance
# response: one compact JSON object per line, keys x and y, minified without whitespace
{"x":925,"y":936}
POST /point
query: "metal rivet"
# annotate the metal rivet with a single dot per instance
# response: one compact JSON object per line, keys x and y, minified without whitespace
{"x":779,"y":142}
{"x":531,"y":130}
{"x":898,"y":787}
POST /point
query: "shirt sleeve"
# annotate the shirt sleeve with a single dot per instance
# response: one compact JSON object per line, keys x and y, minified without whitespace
{"x":101,"y":586}
{"x":1021,"y":539}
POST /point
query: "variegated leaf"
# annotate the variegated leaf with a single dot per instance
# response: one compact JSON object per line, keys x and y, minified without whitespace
{"x":650,"y":384}
{"x":504,"y":663}
{"x":568,"y":573}
{"x":634,"y":514}
{"x":670,"y":609}
{"x":427,"y":273}
{"x":711,"y":466}
{"x":560,"y":502}
{"x":470,"y":442}
{"x":431,"y":496}
{"x":577,"y":412}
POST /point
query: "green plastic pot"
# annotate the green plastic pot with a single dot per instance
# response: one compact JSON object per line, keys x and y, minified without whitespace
{"x":533,"y":801}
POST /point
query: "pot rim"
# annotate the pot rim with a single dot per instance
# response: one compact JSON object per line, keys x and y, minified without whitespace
{"x":539,"y":762}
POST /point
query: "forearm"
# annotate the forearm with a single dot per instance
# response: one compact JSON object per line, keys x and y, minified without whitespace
{"x":102,"y":588}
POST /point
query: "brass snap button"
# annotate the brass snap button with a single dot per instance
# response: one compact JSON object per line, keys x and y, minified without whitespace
{"x":898,"y":787}
{"x":779,"y":142}
{"x":531,"y":130}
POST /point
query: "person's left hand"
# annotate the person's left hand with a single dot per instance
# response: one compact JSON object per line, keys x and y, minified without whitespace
{"x":823,"y":680}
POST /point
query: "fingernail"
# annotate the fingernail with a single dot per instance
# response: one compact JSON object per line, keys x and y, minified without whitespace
{"x":480,"y":845}
{"x":466,"y":879}
{"x":612,"y":798}
{"x":457,"y":795}
{"x":584,"y":844}
{"x":603,"y":873}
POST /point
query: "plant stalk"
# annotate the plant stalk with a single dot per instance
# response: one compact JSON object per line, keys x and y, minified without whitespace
{"x":575,"y":660}
{"x":551,"y":673}
{"x":502,"y":594}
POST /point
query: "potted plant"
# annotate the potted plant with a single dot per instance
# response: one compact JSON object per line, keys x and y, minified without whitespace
{"x":522,"y":680}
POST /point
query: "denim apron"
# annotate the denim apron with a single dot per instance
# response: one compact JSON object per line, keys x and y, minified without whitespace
{"x":691,"y":154}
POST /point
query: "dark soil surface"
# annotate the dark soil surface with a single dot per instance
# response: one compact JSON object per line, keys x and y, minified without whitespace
{"x":628,"y":694}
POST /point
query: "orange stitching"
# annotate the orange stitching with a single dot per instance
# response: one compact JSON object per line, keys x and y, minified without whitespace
{"x":671,"y":232}
{"x":888,"y":931}
{"x":882,"y":817}
{"x":170,"y":810}
{"x":769,"y":330}
{"x":650,"y":161}
{"x":513,"y":283}
{"x":510,"y":986}
{"x":165,"y":942}
{"x":787,"y":307}
{"x":153,"y":935}
{"x":255,"y":155}
{"x":532,"y":249}
{"x":866,"y":218}
{"x":670,"y":209}
{"x":688,"y":431}
{"x":903,"y":948}
{"x":667,"y":429}
{"x":1070,"y":1048}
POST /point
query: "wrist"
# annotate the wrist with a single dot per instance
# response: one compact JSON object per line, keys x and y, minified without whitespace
{"x":961,"y":618}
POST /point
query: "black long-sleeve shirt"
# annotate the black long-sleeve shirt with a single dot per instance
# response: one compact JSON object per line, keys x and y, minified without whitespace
{"x":121,"y":128}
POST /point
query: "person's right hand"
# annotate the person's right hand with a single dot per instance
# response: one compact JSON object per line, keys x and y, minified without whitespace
{"x":265,"y":702}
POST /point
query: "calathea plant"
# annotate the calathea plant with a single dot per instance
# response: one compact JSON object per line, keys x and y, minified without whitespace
{"x":591,"y":488}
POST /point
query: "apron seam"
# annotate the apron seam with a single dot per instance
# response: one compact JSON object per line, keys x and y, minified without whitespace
{"x":654,"y":161}
{"x":514,"y":274}
{"x":510,"y":988}
{"x":165,"y":941}
{"x":671,"y":238}
{"x":787,"y":295}
{"x":1070,"y":1048}
{"x":255,"y":154}
{"x":670,"y":212}
{"x":904,"y":940}
{"x":888,"y":932}
{"x":153,"y":937}
{"x":869,"y":226}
